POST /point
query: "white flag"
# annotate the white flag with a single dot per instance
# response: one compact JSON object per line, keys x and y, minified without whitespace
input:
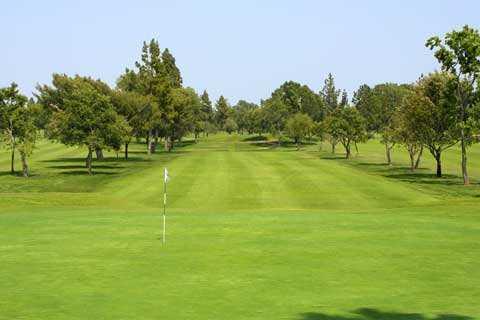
{"x":165,"y":175}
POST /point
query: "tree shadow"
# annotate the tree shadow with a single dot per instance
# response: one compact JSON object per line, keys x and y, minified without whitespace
{"x":266,"y":144}
{"x":426,"y":178}
{"x":99,"y":166}
{"x":255,"y":138}
{"x":82,"y":160}
{"x":375,"y":314}
{"x":85,"y":172}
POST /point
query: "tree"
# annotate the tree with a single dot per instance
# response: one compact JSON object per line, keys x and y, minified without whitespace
{"x":459,"y":54}
{"x":347,"y":126}
{"x":156,"y":75}
{"x":222,"y":112}
{"x":135,"y":109}
{"x":330,"y":94}
{"x":386,"y":99}
{"x":344,"y":101}
{"x":242,"y":114}
{"x":171,"y":69}
{"x":298,"y":127}
{"x":17,"y":125}
{"x":26,"y":132}
{"x":403,"y":135}
{"x":363,"y":100}
{"x":82,"y":115}
{"x":230,"y":126}
{"x":429,"y":114}
{"x":299,"y":98}
{"x":186,"y":106}
{"x":273,"y":116}
{"x":207,"y":113}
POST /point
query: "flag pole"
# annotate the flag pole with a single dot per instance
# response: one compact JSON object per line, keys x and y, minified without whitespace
{"x":164,"y":202}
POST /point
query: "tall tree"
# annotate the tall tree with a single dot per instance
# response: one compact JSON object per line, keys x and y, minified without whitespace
{"x":206,"y":112}
{"x":344,"y":100}
{"x":330,"y":93}
{"x":171,"y":69}
{"x":222,"y":112}
{"x":459,"y":54}
{"x":156,"y":75}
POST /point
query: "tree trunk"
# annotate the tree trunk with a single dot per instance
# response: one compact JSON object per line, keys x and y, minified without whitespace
{"x":12,"y":163}
{"x":333,"y":146}
{"x":153,"y":146}
{"x":388,"y":154}
{"x":167,"y":144}
{"x":126,"y":151}
{"x":149,"y":142}
{"x":99,"y":153}
{"x":417,"y":163}
{"x":439,"y":164}
{"x":25,"y":170}
{"x":411,"y":154}
{"x":347,"y":150}
{"x":88,"y":161}
{"x":466,"y":180}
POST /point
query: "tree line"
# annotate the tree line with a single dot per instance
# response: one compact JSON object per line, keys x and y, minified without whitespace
{"x":150,"y":104}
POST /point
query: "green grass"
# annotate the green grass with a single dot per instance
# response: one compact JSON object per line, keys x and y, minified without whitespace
{"x":254,"y":232}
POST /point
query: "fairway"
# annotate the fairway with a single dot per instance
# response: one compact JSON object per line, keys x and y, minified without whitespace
{"x":254,"y":231}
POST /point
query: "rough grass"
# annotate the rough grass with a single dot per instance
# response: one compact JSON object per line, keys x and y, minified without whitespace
{"x":255,"y":231}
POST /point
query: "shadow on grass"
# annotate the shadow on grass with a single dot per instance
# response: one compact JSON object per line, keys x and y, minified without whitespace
{"x":255,"y":138}
{"x":85,"y":172}
{"x":106,"y":159}
{"x":427,"y":178}
{"x":98,"y":166}
{"x":375,"y":314}
{"x":405,"y":174}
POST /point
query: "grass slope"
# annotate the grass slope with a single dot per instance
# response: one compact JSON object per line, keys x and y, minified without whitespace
{"x":255,"y":232}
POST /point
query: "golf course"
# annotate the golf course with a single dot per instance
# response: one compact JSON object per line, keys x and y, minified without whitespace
{"x":255,"y":230}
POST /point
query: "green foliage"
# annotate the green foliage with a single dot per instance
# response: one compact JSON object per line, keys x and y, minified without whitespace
{"x":171,"y":69}
{"x":429,"y":114}
{"x":330,"y":94}
{"x":83,"y":115}
{"x":459,"y":54}
{"x":347,"y":126}
{"x":186,"y":106}
{"x":299,"y":126}
{"x":244,"y":115}
{"x":17,"y":125}
{"x":230,"y":126}
{"x":222,"y":112}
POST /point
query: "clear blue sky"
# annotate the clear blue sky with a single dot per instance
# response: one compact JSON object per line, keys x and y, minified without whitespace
{"x":242,"y":49}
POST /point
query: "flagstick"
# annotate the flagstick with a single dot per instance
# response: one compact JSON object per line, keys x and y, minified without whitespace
{"x":164,"y":205}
